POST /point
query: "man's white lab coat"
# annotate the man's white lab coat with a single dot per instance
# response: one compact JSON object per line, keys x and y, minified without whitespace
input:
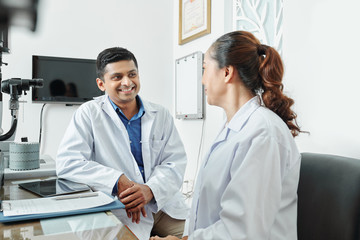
{"x":95,"y":150}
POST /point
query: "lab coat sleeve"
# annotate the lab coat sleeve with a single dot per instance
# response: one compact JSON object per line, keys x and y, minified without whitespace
{"x":75,"y":158}
{"x":186,"y":228}
{"x":167,"y":176}
{"x":252,"y":198}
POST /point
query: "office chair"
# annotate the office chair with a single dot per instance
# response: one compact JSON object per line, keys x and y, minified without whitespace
{"x":329,"y":198}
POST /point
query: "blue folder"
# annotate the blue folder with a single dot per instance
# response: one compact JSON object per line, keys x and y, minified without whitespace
{"x":114,"y":205}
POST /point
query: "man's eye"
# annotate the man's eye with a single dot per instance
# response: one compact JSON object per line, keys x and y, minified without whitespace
{"x":132,"y":75}
{"x":117,"y":78}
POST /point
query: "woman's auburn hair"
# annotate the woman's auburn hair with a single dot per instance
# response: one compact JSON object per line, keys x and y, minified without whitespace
{"x":259,"y":67}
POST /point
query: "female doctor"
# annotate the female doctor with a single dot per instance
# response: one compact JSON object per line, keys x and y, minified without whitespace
{"x":247,"y":185}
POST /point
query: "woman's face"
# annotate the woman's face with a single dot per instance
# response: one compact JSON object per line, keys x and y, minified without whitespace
{"x":213,"y":80}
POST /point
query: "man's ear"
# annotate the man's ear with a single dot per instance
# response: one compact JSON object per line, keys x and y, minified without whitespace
{"x":229,"y":73}
{"x":101,"y":85}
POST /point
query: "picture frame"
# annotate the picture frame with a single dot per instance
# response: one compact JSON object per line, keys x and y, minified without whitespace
{"x":194,"y":19}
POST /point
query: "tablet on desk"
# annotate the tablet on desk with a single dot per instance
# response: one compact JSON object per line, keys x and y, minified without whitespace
{"x":54,"y":187}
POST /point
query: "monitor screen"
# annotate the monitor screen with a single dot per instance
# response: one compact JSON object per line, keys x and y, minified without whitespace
{"x":66,"y":80}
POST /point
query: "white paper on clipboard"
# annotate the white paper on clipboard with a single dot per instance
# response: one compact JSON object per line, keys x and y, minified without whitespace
{"x":50,"y":205}
{"x":188,"y":87}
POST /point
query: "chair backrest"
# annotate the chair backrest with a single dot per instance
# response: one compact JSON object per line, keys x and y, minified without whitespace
{"x":329,"y":198}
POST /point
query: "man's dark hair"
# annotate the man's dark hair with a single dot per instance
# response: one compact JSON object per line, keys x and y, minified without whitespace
{"x":111,"y":55}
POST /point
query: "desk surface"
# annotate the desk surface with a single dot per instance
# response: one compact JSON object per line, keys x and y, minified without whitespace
{"x":86,"y":226}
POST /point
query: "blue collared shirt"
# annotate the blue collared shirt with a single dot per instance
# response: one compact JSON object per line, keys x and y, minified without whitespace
{"x":133,"y":127}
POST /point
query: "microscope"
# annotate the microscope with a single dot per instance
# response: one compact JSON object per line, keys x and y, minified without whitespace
{"x":15,"y":87}
{"x":19,"y":13}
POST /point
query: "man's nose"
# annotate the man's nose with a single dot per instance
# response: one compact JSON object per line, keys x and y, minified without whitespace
{"x":126,"y":81}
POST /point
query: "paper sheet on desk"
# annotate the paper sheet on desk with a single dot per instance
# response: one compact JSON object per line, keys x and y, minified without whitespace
{"x":50,"y":205}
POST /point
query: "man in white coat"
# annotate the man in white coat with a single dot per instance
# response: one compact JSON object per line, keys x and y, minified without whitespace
{"x":123,"y":145}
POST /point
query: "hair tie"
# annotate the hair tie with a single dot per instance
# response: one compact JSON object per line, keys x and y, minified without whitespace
{"x":261,"y":49}
{"x":259,"y":92}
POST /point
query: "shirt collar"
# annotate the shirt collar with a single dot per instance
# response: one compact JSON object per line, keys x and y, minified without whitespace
{"x":139,"y":103}
{"x":243,"y":114}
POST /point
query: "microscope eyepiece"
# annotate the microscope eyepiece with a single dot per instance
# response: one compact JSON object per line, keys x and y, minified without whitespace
{"x":36,"y":83}
{"x":20,"y":85}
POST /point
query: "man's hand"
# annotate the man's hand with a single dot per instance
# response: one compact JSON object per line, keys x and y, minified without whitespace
{"x":135,"y":198}
{"x":124,"y":183}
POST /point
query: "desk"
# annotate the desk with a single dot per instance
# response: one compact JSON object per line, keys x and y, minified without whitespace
{"x":86,"y":226}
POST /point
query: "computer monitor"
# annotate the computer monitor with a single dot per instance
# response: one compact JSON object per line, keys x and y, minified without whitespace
{"x":66,"y":80}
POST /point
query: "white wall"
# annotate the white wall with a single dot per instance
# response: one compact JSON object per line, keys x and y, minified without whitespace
{"x":321,"y":56}
{"x":81,"y":29}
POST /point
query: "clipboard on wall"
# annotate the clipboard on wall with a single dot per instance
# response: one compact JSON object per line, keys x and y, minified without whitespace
{"x":189,"y":92}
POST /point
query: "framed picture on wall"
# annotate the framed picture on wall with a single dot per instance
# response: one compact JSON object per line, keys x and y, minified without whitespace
{"x":194,"y":19}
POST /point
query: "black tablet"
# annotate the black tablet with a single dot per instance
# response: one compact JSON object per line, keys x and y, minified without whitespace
{"x":54,"y":187}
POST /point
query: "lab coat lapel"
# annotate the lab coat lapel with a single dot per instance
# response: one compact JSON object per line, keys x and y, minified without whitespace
{"x":106,"y":106}
{"x":236,"y":123}
{"x":147,"y":121}
{"x":220,"y":138}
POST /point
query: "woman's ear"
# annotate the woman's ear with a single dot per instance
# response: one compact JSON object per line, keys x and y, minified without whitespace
{"x":229,"y":73}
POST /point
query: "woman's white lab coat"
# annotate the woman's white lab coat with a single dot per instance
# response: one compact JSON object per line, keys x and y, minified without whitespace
{"x":247,"y":185}
{"x":96,"y":150}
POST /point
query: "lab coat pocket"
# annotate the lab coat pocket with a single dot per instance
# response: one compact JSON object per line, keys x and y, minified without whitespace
{"x":156,"y":149}
{"x":152,"y":151}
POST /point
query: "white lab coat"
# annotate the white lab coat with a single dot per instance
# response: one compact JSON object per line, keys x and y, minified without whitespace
{"x":95,"y":150}
{"x":247,"y":185}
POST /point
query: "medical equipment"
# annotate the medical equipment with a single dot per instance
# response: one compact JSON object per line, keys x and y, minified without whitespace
{"x":18,"y":13}
{"x":15,"y":87}
{"x":24,"y":14}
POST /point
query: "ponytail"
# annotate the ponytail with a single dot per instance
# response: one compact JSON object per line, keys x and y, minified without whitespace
{"x":271,"y":72}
